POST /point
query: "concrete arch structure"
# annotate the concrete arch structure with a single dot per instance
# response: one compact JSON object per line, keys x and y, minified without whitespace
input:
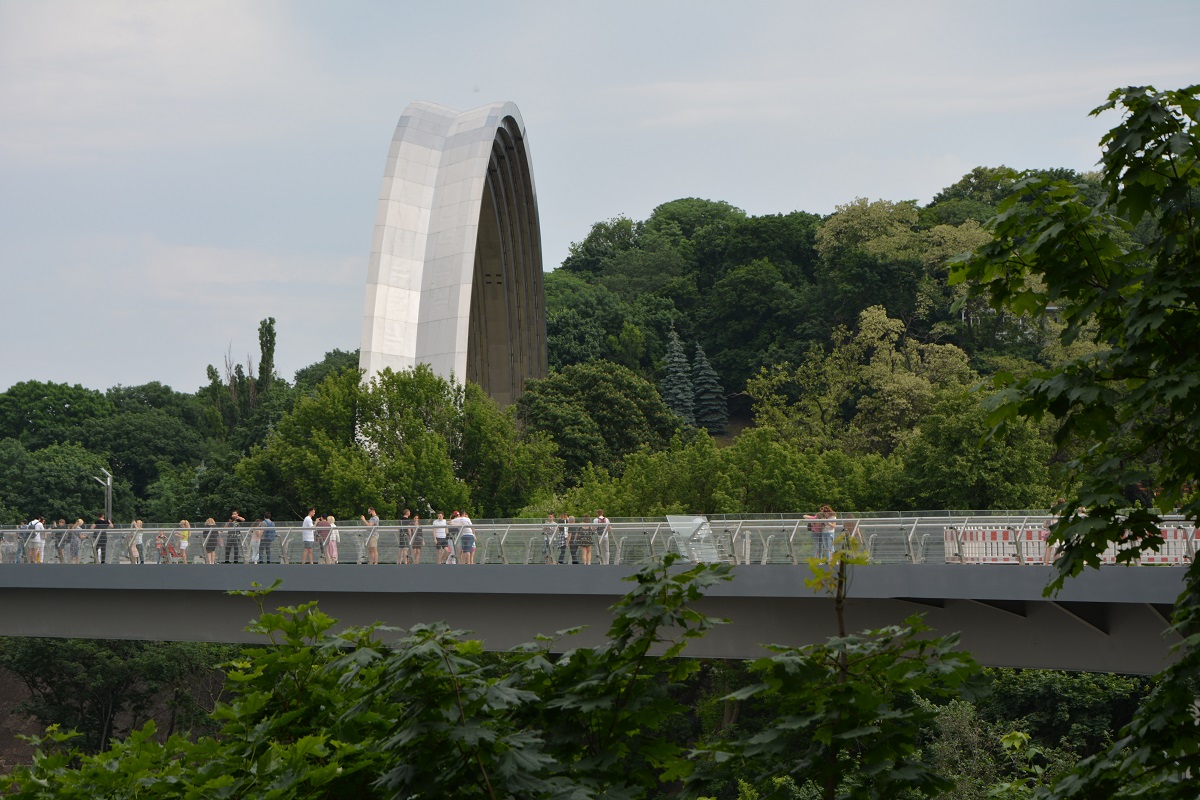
{"x":455,"y":276}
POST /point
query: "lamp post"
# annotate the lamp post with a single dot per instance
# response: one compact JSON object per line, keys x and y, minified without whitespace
{"x":106,"y":482}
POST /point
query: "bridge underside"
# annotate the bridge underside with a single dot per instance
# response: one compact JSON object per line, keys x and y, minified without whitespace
{"x":1109,"y":621}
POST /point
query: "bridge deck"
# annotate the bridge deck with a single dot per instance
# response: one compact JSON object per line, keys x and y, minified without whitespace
{"x":1109,"y":620}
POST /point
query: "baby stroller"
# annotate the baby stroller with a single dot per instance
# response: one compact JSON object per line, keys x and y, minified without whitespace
{"x":167,"y":553}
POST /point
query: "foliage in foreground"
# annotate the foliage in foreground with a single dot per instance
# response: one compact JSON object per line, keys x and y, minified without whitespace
{"x":319,"y":714}
{"x":1125,"y":269}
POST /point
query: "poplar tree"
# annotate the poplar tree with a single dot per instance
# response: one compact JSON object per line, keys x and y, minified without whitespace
{"x":676,"y":386}
{"x":709,"y":404}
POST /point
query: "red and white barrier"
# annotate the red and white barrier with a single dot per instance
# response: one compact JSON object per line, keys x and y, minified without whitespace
{"x":982,"y":544}
{"x":988,"y":545}
{"x":1177,"y":548}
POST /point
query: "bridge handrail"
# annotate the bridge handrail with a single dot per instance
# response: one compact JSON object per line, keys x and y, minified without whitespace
{"x":987,"y":538}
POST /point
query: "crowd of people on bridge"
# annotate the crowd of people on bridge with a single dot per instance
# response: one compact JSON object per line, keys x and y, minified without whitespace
{"x":237,"y":541}
{"x":565,"y":535}
{"x":318,"y":539}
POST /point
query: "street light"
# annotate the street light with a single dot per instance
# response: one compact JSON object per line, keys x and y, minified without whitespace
{"x":107,"y":484}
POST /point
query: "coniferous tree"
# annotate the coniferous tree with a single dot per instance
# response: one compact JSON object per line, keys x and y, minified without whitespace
{"x":710,"y":407}
{"x":676,"y":385}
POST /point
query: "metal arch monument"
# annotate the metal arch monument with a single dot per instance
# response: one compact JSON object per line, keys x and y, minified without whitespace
{"x":455,"y":276}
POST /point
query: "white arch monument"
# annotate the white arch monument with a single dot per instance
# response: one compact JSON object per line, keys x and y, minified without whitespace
{"x":455,"y":277}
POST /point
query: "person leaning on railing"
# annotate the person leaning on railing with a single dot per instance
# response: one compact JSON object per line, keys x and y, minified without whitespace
{"x":461,"y":524}
{"x":332,"y":537}
{"x":548,"y":532}
{"x":267,"y":540}
{"x":564,"y":539}
{"x":136,"y":556}
{"x":185,"y":533}
{"x":100,"y":544}
{"x":601,"y":529}
{"x":60,"y":531}
{"x":417,"y":541}
{"x":212,"y":536}
{"x":74,"y":540}
{"x":404,"y":537}
{"x":583,"y":542}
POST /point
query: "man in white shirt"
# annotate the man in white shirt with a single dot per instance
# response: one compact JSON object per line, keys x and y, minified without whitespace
{"x":309,"y":535}
{"x":37,"y":540}
{"x":440,"y":538}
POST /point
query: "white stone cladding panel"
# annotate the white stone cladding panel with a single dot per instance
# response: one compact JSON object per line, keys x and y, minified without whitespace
{"x":424,"y":249}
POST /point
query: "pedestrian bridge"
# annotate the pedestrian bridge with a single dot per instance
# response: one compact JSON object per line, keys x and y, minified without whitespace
{"x":1112,"y":619}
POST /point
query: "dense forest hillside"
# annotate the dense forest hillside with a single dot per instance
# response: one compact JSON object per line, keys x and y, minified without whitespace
{"x":834,"y":348}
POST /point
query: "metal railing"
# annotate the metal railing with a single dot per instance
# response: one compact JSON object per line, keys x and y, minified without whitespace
{"x":887,"y":539}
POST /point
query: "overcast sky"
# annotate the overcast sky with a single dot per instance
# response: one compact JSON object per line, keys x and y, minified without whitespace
{"x":173,"y":172}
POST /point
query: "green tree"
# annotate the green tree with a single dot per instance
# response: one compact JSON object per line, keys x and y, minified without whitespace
{"x":57,"y":481}
{"x":506,"y":469}
{"x":1078,"y":711}
{"x":175,"y":494}
{"x":604,"y":242}
{"x":572,"y":338}
{"x":39,"y":414}
{"x":689,"y":214}
{"x":266,"y":349}
{"x":135,"y":443}
{"x":867,"y":395}
{"x":407,"y":439}
{"x":746,"y":315}
{"x":155,"y":395}
{"x":106,"y":689}
{"x":711,"y":405}
{"x":335,"y":362}
{"x":1132,"y":403}
{"x":676,"y":385}
{"x":242,"y":406}
{"x":596,"y":413}
{"x":313,"y":457}
{"x":952,"y":463}
{"x":687,"y":478}
{"x":786,"y":240}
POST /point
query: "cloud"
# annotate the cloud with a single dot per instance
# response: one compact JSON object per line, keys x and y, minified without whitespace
{"x":82,"y":80}
{"x":134,"y":310}
{"x":202,"y":277}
